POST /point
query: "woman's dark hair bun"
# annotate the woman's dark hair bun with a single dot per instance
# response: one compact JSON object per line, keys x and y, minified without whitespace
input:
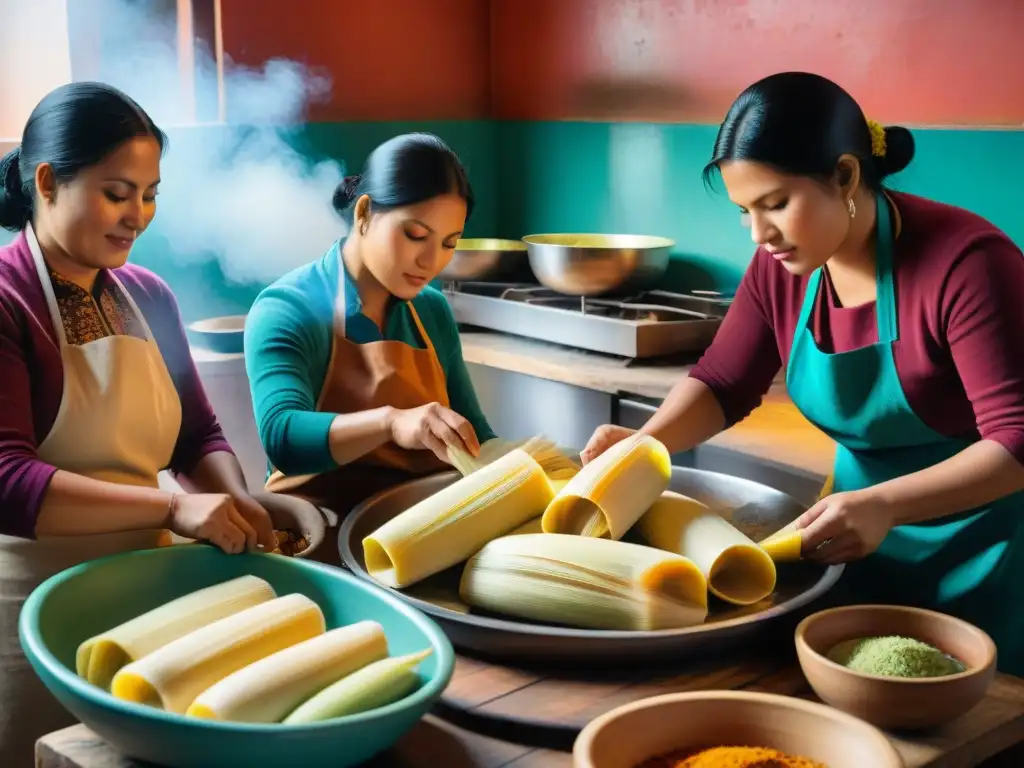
{"x":899,"y":150}
{"x":346,"y":192}
{"x":405,"y":170}
{"x":15,"y":206}
{"x":802,"y":124}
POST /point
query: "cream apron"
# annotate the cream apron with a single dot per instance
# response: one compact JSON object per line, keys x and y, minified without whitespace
{"x":360,"y":377}
{"x":118,"y":421}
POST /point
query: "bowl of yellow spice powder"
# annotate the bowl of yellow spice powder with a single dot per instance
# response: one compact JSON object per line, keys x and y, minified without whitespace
{"x":731,"y":729}
{"x":897,"y":667}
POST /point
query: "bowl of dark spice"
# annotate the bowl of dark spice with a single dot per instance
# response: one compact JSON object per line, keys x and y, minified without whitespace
{"x":299,"y":526}
{"x":731,"y":729}
{"x":897,"y":667}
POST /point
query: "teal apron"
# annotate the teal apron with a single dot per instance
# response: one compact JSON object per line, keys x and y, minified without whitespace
{"x":970,"y":564}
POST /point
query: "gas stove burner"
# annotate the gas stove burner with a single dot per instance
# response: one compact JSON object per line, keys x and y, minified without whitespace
{"x":647,"y":324}
{"x":487,"y":289}
{"x":620,"y":310}
{"x":600,"y":310}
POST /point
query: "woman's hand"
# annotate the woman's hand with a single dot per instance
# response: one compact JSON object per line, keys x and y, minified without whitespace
{"x":433,"y":427}
{"x":259,"y":520}
{"x":211,"y":517}
{"x":844,"y":526}
{"x":604,"y":437}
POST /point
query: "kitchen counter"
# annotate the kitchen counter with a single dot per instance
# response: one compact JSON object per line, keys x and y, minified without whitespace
{"x":590,"y":370}
{"x":775,"y":431}
{"x":989,"y":736}
{"x":468,"y":730}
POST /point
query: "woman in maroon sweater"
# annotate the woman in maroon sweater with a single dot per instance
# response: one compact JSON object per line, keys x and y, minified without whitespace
{"x":98,"y":392}
{"x":900,"y":322}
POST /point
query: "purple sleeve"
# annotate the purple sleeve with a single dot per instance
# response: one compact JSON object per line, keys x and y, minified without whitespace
{"x":743,"y":358}
{"x":200,"y":433}
{"x":983,"y":317}
{"x":23,"y":477}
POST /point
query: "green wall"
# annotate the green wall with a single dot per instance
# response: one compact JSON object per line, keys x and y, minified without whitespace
{"x":646,"y":178}
{"x":630,"y":177}
{"x":200,"y":285}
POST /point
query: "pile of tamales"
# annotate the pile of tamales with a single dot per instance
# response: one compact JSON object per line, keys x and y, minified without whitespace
{"x":540,"y":538}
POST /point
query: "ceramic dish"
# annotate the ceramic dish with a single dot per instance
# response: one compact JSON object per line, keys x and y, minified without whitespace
{"x":894,"y":702}
{"x":219,"y":334}
{"x":90,"y":598}
{"x":629,"y":735}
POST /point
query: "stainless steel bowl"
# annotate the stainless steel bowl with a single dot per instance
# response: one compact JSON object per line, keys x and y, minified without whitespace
{"x":488,"y":260}
{"x":592,"y":265}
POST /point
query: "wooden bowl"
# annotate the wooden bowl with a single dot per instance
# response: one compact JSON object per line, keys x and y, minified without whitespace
{"x":289,"y":513}
{"x":631,"y":734}
{"x":892,"y":702}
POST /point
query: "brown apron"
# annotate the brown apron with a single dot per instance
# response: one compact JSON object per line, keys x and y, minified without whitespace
{"x":361,"y":377}
{"x":118,"y":421}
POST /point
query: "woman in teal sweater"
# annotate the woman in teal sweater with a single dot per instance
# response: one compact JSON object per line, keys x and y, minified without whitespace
{"x":354,"y":361}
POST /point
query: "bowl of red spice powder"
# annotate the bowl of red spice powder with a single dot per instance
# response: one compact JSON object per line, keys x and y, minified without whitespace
{"x":714,"y":729}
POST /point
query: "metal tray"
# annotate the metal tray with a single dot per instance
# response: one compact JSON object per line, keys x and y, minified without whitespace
{"x":755,"y":509}
{"x":652,"y":324}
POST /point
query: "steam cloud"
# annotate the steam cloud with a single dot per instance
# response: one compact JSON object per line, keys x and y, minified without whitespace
{"x":238,"y":192}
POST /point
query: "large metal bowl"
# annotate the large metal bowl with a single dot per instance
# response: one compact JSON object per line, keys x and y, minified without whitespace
{"x":488,"y":260}
{"x":755,"y":509}
{"x":592,"y":265}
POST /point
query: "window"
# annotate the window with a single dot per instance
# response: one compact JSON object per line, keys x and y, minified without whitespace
{"x":167,"y":54}
{"x":31,"y":63}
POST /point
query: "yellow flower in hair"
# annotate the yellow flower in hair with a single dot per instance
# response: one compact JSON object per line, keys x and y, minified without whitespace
{"x":877,"y":138}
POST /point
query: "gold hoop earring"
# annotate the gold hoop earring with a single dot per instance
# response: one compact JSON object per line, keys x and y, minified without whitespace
{"x":852,"y":208}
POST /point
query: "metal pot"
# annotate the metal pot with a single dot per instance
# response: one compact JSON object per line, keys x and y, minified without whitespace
{"x":592,"y":265}
{"x":488,"y":260}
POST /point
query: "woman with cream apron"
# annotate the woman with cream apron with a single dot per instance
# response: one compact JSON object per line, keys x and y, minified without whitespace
{"x":118,"y":421}
{"x":970,"y":565}
{"x":361,"y":377}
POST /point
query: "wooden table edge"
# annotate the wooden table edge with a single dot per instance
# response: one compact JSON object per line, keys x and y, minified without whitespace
{"x":968,"y":751}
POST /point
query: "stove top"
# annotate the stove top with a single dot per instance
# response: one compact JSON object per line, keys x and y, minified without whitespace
{"x":648,"y":324}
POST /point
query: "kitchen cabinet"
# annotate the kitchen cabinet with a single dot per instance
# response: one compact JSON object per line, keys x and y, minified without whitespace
{"x":227,"y":386}
{"x":519,"y":406}
{"x":801,"y":485}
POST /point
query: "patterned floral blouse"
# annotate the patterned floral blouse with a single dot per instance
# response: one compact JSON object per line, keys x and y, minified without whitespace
{"x":88,"y":317}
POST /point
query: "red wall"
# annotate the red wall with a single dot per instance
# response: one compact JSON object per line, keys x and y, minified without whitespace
{"x":388,"y":59}
{"x":933,"y":62}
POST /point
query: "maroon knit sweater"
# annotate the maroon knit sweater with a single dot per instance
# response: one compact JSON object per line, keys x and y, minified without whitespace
{"x":960,"y":304}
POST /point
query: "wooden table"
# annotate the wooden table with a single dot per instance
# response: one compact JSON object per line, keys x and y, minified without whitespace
{"x":548,"y":708}
{"x":488,"y":705}
{"x":433,"y":743}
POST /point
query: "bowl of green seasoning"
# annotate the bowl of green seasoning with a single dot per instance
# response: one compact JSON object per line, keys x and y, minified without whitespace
{"x":894,"y":666}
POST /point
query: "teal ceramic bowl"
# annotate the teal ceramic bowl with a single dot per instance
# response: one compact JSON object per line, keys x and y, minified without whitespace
{"x":87,"y":599}
{"x":219,"y":334}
